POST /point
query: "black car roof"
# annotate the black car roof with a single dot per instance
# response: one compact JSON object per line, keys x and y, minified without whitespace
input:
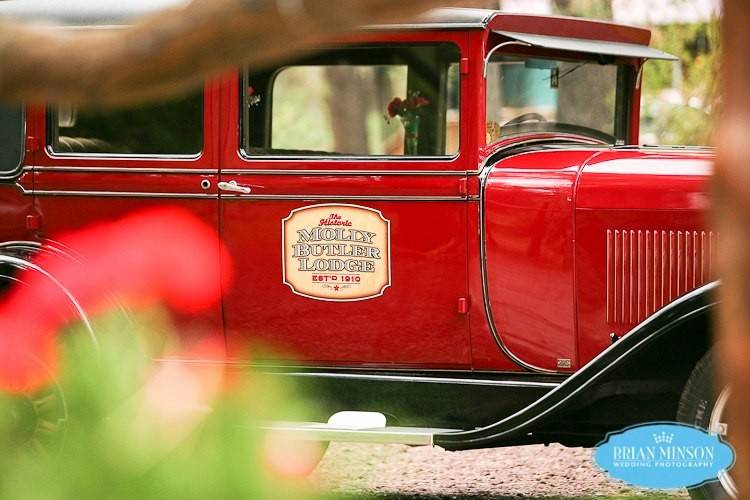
{"x":108,"y":12}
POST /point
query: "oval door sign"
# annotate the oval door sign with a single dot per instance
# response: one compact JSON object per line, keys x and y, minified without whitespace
{"x":336,"y":252}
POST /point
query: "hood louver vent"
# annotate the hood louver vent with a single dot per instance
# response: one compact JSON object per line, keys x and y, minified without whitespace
{"x":647,"y":270}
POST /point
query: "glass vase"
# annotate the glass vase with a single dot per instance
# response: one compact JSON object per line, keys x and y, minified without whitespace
{"x":411,"y":135}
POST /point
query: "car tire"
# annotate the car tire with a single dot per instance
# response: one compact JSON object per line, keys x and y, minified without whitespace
{"x":36,"y":419}
{"x":698,"y":406}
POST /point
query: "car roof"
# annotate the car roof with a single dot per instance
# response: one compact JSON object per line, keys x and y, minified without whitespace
{"x":445,"y":18}
{"x":119,"y":12}
{"x":110,"y":12}
{"x":499,"y":21}
{"x":104,"y":12}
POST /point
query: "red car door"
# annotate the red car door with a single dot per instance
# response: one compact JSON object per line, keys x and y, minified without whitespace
{"x":97,"y":166}
{"x":348,"y":225}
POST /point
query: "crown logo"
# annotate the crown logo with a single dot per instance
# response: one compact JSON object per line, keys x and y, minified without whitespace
{"x":663,"y":438}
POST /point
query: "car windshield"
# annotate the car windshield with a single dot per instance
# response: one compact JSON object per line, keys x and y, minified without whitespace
{"x":529,"y":95}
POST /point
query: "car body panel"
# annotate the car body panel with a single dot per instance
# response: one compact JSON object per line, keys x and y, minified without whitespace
{"x":530,"y":246}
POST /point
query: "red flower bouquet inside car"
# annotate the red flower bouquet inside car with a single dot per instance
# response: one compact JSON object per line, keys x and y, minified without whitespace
{"x":405,"y":107}
{"x":408,"y":111}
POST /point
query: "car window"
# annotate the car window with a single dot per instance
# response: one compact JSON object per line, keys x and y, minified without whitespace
{"x":356,"y":101}
{"x":166,"y":128}
{"x":13,"y":136}
{"x":535,"y":94}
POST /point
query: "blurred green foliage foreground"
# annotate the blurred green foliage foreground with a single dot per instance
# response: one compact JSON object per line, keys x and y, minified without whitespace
{"x":115,"y":424}
{"x":106,"y":410}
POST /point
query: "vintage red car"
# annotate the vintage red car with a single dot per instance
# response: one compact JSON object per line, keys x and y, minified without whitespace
{"x":448,"y":224}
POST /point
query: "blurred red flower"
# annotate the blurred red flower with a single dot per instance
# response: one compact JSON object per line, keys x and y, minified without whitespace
{"x":419,"y":101}
{"x":162,"y":255}
{"x":395,"y":107}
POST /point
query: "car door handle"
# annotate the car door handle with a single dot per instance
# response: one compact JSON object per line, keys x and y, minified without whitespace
{"x":233,"y":187}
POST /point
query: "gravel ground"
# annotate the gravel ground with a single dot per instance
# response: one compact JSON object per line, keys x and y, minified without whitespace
{"x":396,"y":471}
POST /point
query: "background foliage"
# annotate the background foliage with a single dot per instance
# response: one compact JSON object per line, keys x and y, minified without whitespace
{"x":678,"y":98}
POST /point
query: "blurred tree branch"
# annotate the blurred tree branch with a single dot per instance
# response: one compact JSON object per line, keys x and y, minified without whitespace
{"x":732,"y":219}
{"x":173,"y":50}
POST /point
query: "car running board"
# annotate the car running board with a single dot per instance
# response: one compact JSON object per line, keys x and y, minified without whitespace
{"x":356,"y":427}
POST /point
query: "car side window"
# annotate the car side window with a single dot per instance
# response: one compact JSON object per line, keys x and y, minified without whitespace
{"x":356,"y":101}
{"x":13,"y":136}
{"x":166,"y":128}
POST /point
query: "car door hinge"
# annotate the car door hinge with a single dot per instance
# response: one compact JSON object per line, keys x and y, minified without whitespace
{"x":463,"y":305}
{"x":464,"y":66}
{"x":33,"y":222}
{"x":32,"y":144}
{"x":463,"y":186}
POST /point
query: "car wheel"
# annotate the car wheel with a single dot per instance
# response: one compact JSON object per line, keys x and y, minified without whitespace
{"x":36,"y":421}
{"x":33,"y":420}
{"x":700,"y":405}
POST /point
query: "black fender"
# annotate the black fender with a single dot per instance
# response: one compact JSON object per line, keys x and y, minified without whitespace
{"x":638,"y":378}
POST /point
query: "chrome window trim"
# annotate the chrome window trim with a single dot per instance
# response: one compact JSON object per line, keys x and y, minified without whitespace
{"x":144,"y":194}
{"x":353,"y":158}
{"x":494,"y":49}
{"x":240,"y":171}
{"x":115,"y":156}
{"x":226,"y":197}
{"x":118,"y":194}
{"x":123,"y":170}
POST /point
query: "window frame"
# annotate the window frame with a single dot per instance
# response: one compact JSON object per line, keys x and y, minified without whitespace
{"x":242,"y":111}
{"x":11,"y":174}
{"x":624,"y":81}
{"x":50,"y":113}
